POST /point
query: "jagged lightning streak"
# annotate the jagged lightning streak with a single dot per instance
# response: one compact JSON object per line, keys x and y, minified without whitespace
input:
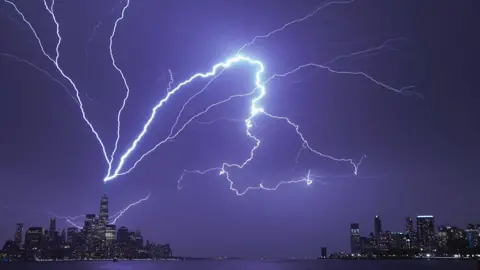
{"x":222,"y":66}
{"x":55,"y":61}
{"x":173,"y":136}
{"x":254,"y":110}
{"x":402,"y":90}
{"x":219,"y":119}
{"x":41,"y":70}
{"x":68,"y":219}
{"x":127,"y":87}
{"x":312,"y":13}
{"x":121,"y":212}
{"x":213,"y":72}
{"x":369,"y":50}
{"x":115,"y":216}
{"x":308,"y":180}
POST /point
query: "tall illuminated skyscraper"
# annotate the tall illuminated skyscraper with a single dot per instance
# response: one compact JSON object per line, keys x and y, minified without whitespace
{"x":355,"y":238}
{"x":103,"y":217}
{"x":426,"y":231}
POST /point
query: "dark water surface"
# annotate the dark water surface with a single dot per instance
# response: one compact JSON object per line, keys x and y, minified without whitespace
{"x":244,"y":265}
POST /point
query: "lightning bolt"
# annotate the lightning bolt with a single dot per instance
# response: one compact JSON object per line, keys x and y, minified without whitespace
{"x":115,"y":216}
{"x":121,"y":212}
{"x":124,"y":82}
{"x":369,"y":50}
{"x":308,"y":180}
{"x":257,"y":94}
{"x":219,"y":119}
{"x":55,"y":61}
{"x":306,"y":17}
{"x":68,"y":219}
{"x":41,"y":70}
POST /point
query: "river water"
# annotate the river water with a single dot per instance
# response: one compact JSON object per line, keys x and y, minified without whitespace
{"x":247,"y":265}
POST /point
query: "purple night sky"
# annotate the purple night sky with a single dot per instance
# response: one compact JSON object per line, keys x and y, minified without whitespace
{"x":422,"y":153}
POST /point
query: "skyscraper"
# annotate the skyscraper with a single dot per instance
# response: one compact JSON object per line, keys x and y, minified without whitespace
{"x":18,"y":234}
{"x":89,"y":228}
{"x":72,"y":234}
{"x":103,"y":217}
{"x":473,"y":235}
{"x":110,"y":234}
{"x":377,"y":223}
{"x":426,"y":232}
{"x":324,"y":252}
{"x":355,"y":238}
{"x":409,"y":225}
{"x":123,"y":235}
{"x":410,"y":233}
{"x":138,"y":238}
{"x":102,"y":220}
{"x":53,"y":229}
{"x":33,"y":237}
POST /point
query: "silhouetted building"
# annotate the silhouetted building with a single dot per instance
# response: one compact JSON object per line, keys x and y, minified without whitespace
{"x":397,"y":240}
{"x":324,"y":252}
{"x":72,"y":236}
{"x":63,"y":237}
{"x":426,"y":232}
{"x":18,"y":234}
{"x":138,"y":238}
{"x":355,"y":238}
{"x":53,"y":229}
{"x":377,"y":225}
{"x":122,"y":235}
{"x":34,"y":237}
{"x":409,"y":225}
{"x":473,"y":235}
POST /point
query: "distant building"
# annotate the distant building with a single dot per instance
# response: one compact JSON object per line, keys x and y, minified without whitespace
{"x":89,"y":230}
{"x":63,"y":237}
{"x":324,"y":252}
{"x":138,"y":238}
{"x":53,"y":229}
{"x":377,"y":225}
{"x":122,"y":235}
{"x":409,"y":225}
{"x":355,"y":238}
{"x":103,"y":218}
{"x":426,"y":232}
{"x":410,"y":234}
{"x":473,"y":235}
{"x":442,"y":237}
{"x":18,"y":234}
{"x":72,"y":235}
{"x":110,"y":234}
{"x":397,"y":240}
{"x":33,"y":237}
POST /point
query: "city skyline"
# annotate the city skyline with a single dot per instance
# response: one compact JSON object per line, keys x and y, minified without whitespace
{"x":421,"y":153}
{"x":98,"y":238}
{"x":425,"y":238}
